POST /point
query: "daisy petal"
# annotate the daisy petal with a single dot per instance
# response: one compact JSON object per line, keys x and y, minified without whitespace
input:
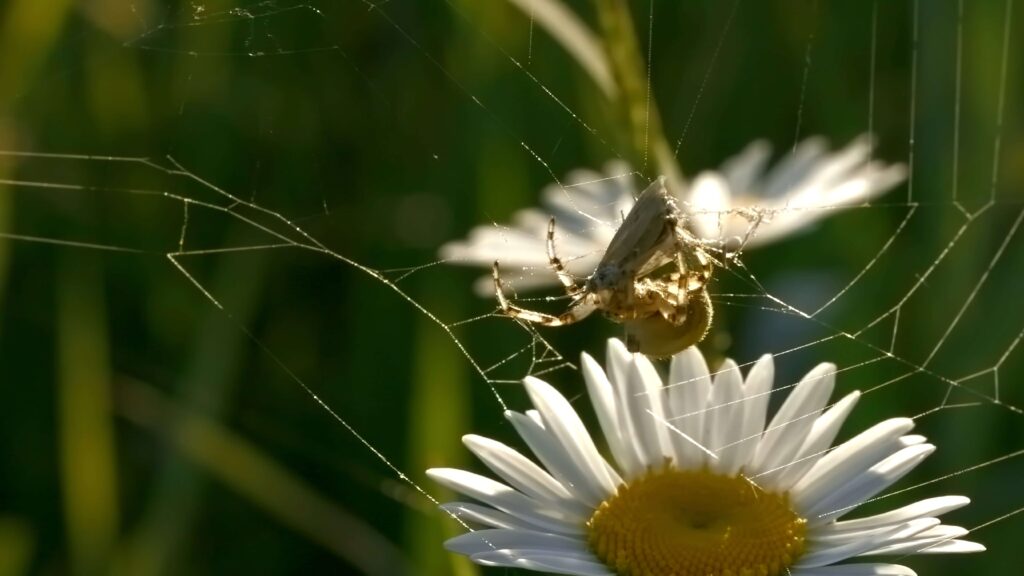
{"x":919,"y":546}
{"x":864,"y":486}
{"x":951,"y":547}
{"x":688,"y":387}
{"x":790,"y":426}
{"x":593,"y":193}
{"x":496,"y":539}
{"x":470,"y":513}
{"x":924,"y":508}
{"x":912,"y":440}
{"x":850,"y":458}
{"x":532,"y":560}
{"x":565,"y":425}
{"x":620,"y":366}
{"x":821,"y":554}
{"x":822,"y":434}
{"x":742,"y":169}
{"x":937,"y":539}
{"x":795,"y":167}
{"x":552,"y":454}
{"x":757,"y":390}
{"x":603,"y":397}
{"x":643,"y":403}
{"x":833,"y":539}
{"x":505,"y":499}
{"x":516,"y":469}
{"x":725,"y":409}
{"x":486,"y":516}
{"x":708,"y":204}
{"x":856,"y":570}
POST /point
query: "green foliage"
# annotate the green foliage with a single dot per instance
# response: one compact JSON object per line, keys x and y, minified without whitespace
{"x":149,"y":427}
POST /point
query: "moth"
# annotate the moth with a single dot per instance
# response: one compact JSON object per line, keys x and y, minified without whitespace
{"x":652,"y":279}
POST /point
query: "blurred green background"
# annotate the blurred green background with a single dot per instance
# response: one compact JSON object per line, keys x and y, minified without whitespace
{"x":147,"y":427}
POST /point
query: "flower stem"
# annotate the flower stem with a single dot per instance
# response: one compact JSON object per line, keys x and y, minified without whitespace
{"x":630,"y":71}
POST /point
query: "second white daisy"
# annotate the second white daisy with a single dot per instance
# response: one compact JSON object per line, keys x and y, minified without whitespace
{"x":743,"y":202}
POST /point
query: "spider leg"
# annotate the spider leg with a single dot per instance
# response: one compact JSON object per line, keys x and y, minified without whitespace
{"x":703,"y":265}
{"x":578,"y":311}
{"x":694,"y":264}
{"x":680,"y":243}
{"x":571,"y":288}
{"x":673,"y":300}
{"x":665,"y":297}
{"x":499,"y":292}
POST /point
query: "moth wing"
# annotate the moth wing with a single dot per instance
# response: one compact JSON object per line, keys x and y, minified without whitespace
{"x":641,"y":242}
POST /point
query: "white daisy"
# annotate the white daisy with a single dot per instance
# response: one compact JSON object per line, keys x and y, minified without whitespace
{"x":699,"y":484}
{"x":741,"y":202}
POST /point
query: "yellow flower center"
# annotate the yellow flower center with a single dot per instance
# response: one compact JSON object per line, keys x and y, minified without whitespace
{"x":673,"y":522}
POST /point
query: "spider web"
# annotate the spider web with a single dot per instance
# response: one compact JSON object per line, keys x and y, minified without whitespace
{"x":915,"y":301}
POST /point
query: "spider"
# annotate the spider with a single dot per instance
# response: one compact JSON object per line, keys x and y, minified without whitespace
{"x":652,"y":279}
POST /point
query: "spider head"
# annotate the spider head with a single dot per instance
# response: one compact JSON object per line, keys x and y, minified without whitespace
{"x":605,"y":280}
{"x":607,"y":277}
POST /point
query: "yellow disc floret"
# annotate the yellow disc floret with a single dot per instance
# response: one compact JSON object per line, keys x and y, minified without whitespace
{"x":672,"y":522}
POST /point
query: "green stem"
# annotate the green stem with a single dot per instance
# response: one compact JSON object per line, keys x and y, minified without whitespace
{"x":629,"y":69}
